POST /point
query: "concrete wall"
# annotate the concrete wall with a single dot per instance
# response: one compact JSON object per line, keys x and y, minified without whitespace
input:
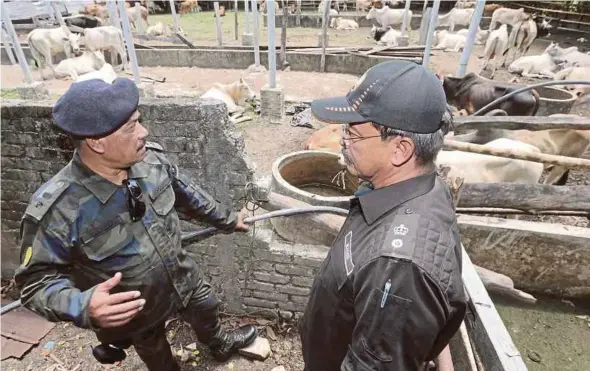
{"x":237,"y":59}
{"x":196,"y":134}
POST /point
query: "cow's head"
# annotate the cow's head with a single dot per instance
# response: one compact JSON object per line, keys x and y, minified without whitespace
{"x":73,"y":39}
{"x":245,"y":93}
{"x":372,"y":14}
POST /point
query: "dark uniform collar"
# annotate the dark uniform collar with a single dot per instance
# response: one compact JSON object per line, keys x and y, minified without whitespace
{"x":376,"y":203}
{"x":102,"y":188}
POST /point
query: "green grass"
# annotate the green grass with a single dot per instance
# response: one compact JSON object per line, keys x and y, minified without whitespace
{"x":9,"y":94}
{"x":201,"y":30}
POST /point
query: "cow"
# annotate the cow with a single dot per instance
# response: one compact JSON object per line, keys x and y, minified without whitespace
{"x":508,"y":16}
{"x":489,"y":9}
{"x":446,"y":40}
{"x":389,"y":17}
{"x":106,"y":73}
{"x":472,"y":167}
{"x":234,"y":95}
{"x":574,"y":73}
{"x":132,"y":15}
{"x":45,"y":43}
{"x":482,"y":168}
{"x":83,"y":21}
{"x":385,"y":36}
{"x":187,"y":6}
{"x":343,"y":24}
{"x":480,"y":37}
{"x":72,"y":67}
{"x":496,"y":48}
{"x":523,"y":34}
{"x":561,"y":142}
{"x":106,"y":38}
{"x":221,"y":11}
{"x":570,"y":56}
{"x":472,"y":92}
{"x":96,"y":10}
{"x":455,"y":17}
{"x":539,"y":66}
{"x":362,"y":5}
{"x":159,"y":29}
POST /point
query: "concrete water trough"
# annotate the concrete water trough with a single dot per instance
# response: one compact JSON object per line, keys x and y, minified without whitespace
{"x":554,"y":100}
{"x":314,"y":177}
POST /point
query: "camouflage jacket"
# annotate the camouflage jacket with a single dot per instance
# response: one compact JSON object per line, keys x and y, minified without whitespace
{"x":77,"y":232}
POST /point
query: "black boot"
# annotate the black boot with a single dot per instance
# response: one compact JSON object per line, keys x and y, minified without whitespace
{"x":226,"y":344}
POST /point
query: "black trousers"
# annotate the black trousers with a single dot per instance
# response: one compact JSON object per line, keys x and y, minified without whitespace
{"x":201,"y":312}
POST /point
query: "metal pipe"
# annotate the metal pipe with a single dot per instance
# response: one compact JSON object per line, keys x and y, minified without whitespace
{"x":473,"y":28}
{"x":6,"y":42}
{"x":218,"y":24}
{"x":273,"y":214}
{"x":431,"y":28}
{"x":256,"y":33}
{"x":247,"y":16}
{"x":236,"y":18}
{"x":129,"y":42}
{"x":114,"y":15}
{"x":138,"y":20}
{"x":19,"y":51}
{"x":174,"y":16}
{"x":541,"y":84}
{"x":405,"y":21}
{"x":272,"y":50}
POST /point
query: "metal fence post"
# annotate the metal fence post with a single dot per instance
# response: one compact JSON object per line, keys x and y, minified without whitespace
{"x":406,"y":20}
{"x":256,"y":33}
{"x":129,"y":42}
{"x":218,"y":24}
{"x":19,"y":51}
{"x":431,"y":28}
{"x":174,"y":16}
{"x":473,"y":28}
{"x":272,"y":52}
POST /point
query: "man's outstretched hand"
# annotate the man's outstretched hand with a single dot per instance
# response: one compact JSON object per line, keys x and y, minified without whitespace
{"x":241,"y":226}
{"x":113,"y":310}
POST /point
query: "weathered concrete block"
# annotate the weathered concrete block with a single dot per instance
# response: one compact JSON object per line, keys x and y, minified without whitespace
{"x":272,"y":102}
{"x":33,"y":91}
{"x":403,"y":40}
{"x":247,"y":39}
{"x":147,"y":90}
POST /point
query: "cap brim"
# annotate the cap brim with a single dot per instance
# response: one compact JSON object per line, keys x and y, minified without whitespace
{"x":335,"y":111}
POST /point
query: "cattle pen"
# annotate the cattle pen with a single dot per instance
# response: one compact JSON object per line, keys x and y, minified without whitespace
{"x":524,"y":244}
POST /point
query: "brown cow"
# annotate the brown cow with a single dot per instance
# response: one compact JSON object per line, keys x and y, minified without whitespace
{"x":488,"y":10}
{"x":325,"y":139}
{"x":187,"y":6}
{"x":221,"y":11}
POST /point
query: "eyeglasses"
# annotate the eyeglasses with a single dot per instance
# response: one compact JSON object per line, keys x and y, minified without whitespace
{"x":134,"y":203}
{"x":348,"y":136}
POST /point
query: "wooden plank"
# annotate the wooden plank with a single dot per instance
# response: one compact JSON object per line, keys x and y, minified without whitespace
{"x":486,"y":330}
{"x":545,"y":258}
{"x":570,"y":162}
{"x":185,"y":40}
{"x":533,"y":123}
{"x":525,"y":196}
{"x":377,"y":49}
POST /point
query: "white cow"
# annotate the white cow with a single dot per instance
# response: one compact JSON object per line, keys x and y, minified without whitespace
{"x":389,"y":17}
{"x":159,"y":29}
{"x":480,"y":37}
{"x":481,"y":168}
{"x":387,"y":36}
{"x":331,"y":12}
{"x":45,"y":43}
{"x":72,"y":67}
{"x":234,"y":95}
{"x":507,"y":16}
{"x":106,"y":38}
{"x":343,"y":24}
{"x":571,"y":56}
{"x":496,"y":48}
{"x":574,"y":73}
{"x":455,"y":17}
{"x":106,"y":73}
{"x":446,"y":40}
{"x":540,"y":66}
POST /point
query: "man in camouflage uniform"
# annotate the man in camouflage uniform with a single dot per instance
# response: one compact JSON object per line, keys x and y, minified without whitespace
{"x":101,"y":241}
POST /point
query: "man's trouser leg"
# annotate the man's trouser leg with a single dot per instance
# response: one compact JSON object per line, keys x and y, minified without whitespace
{"x":154,"y":350}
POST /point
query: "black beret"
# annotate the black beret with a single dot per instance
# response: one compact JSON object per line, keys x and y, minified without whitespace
{"x":95,"y":108}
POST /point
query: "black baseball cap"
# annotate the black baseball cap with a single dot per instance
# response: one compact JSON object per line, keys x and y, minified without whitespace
{"x":398,"y":94}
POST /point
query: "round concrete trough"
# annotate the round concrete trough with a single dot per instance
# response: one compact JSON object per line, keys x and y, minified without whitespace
{"x":554,"y":101}
{"x":307,"y":176}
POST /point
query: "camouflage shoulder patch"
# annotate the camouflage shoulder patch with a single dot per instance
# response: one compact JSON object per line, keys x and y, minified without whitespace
{"x":45,"y":197}
{"x":401,"y":237}
{"x":155,"y":146}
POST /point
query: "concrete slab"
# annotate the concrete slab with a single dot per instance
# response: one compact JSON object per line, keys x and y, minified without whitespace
{"x":248,"y":39}
{"x":272,"y":102}
{"x":34,"y":91}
